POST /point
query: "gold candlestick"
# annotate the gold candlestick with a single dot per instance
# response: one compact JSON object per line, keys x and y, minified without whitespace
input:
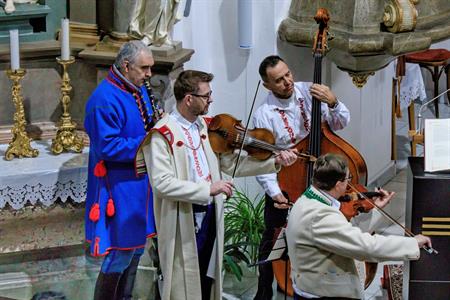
{"x":20,"y":144}
{"x":66,"y":137}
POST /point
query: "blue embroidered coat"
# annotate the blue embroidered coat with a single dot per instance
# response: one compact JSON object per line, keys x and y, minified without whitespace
{"x":114,"y":123}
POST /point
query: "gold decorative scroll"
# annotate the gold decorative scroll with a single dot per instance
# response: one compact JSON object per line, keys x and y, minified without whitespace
{"x":400,"y":15}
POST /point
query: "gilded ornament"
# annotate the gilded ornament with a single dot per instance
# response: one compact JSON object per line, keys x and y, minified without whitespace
{"x":66,"y":137}
{"x":400,"y":15}
{"x":360,"y":79}
{"x":20,"y":144}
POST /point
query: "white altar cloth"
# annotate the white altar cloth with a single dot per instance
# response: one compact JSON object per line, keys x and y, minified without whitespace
{"x":43,"y":179}
{"x":412,"y":86}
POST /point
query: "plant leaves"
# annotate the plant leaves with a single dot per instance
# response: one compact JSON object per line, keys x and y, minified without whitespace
{"x":244,"y":225}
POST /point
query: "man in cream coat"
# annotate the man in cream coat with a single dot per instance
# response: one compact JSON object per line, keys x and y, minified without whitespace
{"x":189,"y":192}
{"x":322,"y":244}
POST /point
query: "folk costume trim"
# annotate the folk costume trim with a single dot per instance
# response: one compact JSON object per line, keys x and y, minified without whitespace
{"x":116,"y":78}
{"x":194,"y":150}
{"x":304,"y":115}
{"x":167,"y":134}
{"x":94,"y":213}
{"x":310,"y":194}
{"x":207,"y":119}
{"x":288,"y":126}
{"x":191,"y":141}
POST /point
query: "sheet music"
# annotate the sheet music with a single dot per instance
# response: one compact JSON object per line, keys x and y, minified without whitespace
{"x":279,"y":247}
{"x":437,"y":145}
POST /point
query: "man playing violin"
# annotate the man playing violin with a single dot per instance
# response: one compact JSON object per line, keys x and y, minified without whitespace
{"x":188,"y":191}
{"x":323,"y":244}
{"x":287,"y":113}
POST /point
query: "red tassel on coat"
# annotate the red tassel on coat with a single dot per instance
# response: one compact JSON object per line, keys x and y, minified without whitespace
{"x":100,"y":169}
{"x":94,"y":213}
{"x":110,"y":209}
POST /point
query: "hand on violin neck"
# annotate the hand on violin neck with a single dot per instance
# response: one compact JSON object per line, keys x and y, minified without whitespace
{"x":280,"y":202}
{"x":286,"y":157}
{"x":222,"y":186}
{"x":384,"y":199}
{"x":324,"y":94}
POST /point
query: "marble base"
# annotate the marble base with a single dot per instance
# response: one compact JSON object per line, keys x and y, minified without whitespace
{"x":84,"y":34}
{"x":112,"y":43}
{"x":166,"y":50}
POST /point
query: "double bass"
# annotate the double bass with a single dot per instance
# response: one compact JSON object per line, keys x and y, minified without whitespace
{"x":294,"y":180}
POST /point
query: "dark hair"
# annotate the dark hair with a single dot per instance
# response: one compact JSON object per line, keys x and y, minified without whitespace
{"x":268,"y":62}
{"x":187,"y":82}
{"x":329,"y":169}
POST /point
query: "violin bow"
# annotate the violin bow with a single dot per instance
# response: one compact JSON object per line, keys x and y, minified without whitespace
{"x":238,"y":159}
{"x":408,"y":232}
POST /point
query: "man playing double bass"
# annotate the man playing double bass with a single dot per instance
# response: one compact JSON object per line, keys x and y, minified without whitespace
{"x":287,"y":113}
{"x":322,"y":244}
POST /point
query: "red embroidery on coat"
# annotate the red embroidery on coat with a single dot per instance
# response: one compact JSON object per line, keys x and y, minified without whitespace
{"x":194,"y":149}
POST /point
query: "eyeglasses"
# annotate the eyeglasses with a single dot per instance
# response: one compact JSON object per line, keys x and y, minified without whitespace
{"x":206,"y":97}
{"x":349,"y":177}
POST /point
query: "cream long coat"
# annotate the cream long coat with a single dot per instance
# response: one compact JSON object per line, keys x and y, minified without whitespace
{"x":173,"y":196}
{"x":322,"y":246}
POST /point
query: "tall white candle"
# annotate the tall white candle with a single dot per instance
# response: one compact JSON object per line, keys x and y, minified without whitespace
{"x":14,"y":48}
{"x":65,"y":48}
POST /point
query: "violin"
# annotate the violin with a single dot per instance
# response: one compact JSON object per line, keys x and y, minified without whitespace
{"x":226,"y":134}
{"x":408,"y":232}
{"x":353,"y":203}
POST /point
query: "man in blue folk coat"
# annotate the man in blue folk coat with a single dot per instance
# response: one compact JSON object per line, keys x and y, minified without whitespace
{"x":119,"y":208}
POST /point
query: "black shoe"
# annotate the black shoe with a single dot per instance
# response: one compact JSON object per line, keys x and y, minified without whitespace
{"x":106,"y":286}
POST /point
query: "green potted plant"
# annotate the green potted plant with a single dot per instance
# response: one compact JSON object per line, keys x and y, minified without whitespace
{"x":244,"y":225}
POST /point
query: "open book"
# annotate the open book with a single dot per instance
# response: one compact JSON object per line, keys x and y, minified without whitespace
{"x":437,"y":145}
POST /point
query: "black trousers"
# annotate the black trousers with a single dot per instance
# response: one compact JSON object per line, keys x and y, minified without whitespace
{"x":273,"y":218}
{"x":204,"y":256}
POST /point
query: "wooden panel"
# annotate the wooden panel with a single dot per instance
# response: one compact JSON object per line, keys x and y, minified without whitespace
{"x":429,"y":213}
